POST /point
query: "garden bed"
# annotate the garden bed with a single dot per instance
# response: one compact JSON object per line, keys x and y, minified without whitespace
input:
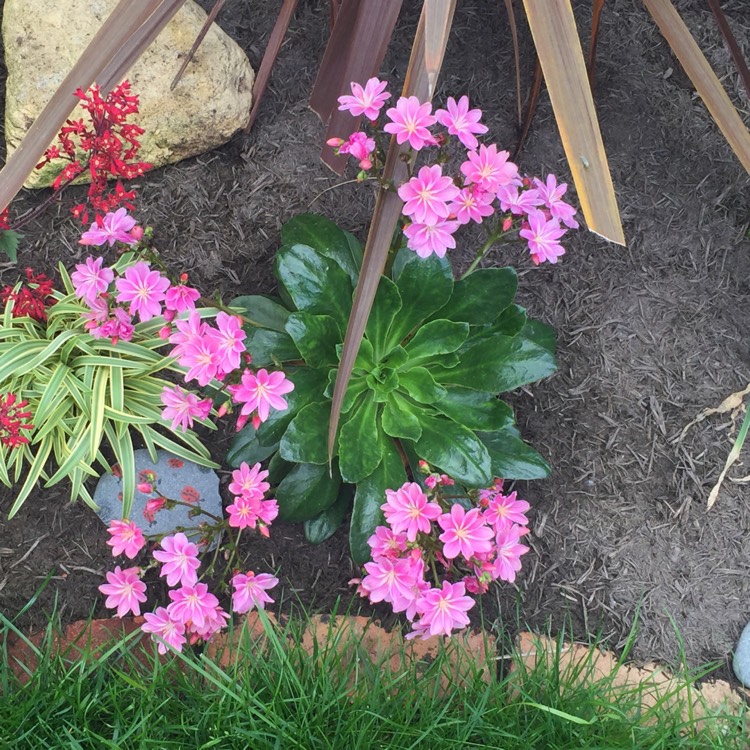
{"x":648,"y":336}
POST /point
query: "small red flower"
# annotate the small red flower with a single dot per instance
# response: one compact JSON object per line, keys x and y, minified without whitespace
{"x":12,"y":420}
{"x":32,"y":298}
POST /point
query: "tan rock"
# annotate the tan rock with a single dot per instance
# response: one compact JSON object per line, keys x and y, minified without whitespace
{"x":44,"y":38}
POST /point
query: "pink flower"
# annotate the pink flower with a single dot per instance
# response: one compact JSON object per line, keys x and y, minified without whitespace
{"x":472,"y":204}
{"x":114,"y":227}
{"x":461,"y":121}
{"x":408,"y":510}
{"x":118,"y":328}
{"x":551,"y":194}
{"x":489,"y":168}
{"x":90,"y":279}
{"x":126,"y":539}
{"x":189,"y":331}
{"x":360,"y":147}
{"x":366,"y":101}
{"x":201,"y":358}
{"x":244,"y":511}
{"x":509,"y":551}
{"x":386,"y":543}
{"x":425,"y":196}
{"x":543,"y":236}
{"x":443,"y":610}
{"x":182,"y":407}
{"x":436,"y":237}
{"x":504,"y":510}
{"x":124,"y":590}
{"x":409,"y":122}
{"x":164,"y":629}
{"x":193,"y":604}
{"x":215,"y":620}
{"x":153,"y":506}
{"x":250,"y":591}
{"x":180,"y":558}
{"x":248,"y":481}
{"x":465,"y":533}
{"x":143,"y":288}
{"x":228,"y":339}
{"x":517,"y":201}
{"x":261,"y":391}
{"x":392,"y":581}
{"x":181,"y":298}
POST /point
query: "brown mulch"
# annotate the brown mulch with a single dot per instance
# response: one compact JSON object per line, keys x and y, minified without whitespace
{"x":649,"y":335}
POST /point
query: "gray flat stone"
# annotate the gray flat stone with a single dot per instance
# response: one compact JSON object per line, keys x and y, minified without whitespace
{"x":741,"y":663}
{"x":175,"y":479}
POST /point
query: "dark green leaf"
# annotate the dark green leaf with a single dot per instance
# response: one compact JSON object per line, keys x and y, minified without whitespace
{"x":455,"y":450}
{"x":278,"y":468}
{"x":309,"y":385}
{"x":481,"y":296}
{"x":365,"y":360}
{"x":382,"y":381}
{"x":399,"y":420}
{"x":306,"y":491}
{"x":305,"y":439}
{"x":245,"y":447}
{"x":541,"y":334}
{"x":360,"y":450}
{"x":385,"y":308}
{"x":357,"y":386}
{"x":436,"y":337}
{"x":421,"y":386}
{"x":9,"y":243}
{"x":396,"y":358}
{"x":512,"y":321}
{"x":511,"y":458}
{"x":323,"y":526}
{"x":270,"y":347}
{"x":327,"y":239}
{"x":476,"y":410}
{"x":262,"y":312}
{"x":315,"y":337}
{"x":315,"y":284}
{"x":370,"y":495}
{"x":425,"y":284}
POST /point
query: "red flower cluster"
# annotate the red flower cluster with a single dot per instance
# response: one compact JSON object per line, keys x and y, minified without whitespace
{"x":4,"y":219}
{"x":12,"y":421}
{"x":30,"y":300}
{"x":110,"y":145}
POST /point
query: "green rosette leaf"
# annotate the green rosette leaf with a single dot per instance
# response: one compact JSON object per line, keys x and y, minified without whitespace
{"x":385,"y":309}
{"x":324,"y":525}
{"x":481,"y":296}
{"x":476,"y":410}
{"x":306,"y":491}
{"x":360,"y":449}
{"x":268,"y":347}
{"x":315,"y":337}
{"x":261,"y":312}
{"x":399,"y":419}
{"x":420,"y":385}
{"x":305,"y":439}
{"x":512,"y":458}
{"x":434,"y":338}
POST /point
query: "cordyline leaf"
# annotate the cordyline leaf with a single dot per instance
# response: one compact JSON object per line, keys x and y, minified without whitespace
{"x":734,"y":48}
{"x":706,"y":83}
{"x":596,"y":16}
{"x":354,"y":52}
{"x":556,"y":40}
{"x":385,"y":218}
{"x":210,"y":18}
{"x":111,"y":40}
{"x":269,"y":57}
{"x":516,"y":59}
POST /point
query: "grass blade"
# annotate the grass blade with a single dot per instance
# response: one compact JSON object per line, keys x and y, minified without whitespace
{"x":706,"y":83}
{"x":556,"y":39}
{"x":388,"y":204}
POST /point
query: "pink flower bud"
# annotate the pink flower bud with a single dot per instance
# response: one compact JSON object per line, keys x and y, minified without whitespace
{"x":431,"y":481}
{"x":424,"y":467}
{"x":263,"y":530}
{"x":136,"y":233}
{"x":507,"y":223}
{"x":256,"y":421}
{"x":144,"y":487}
{"x":335,"y":142}
{"x":164,"y":332}
{"x":241,"y":421}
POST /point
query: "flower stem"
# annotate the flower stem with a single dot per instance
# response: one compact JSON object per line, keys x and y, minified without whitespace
{"x":494,"y":237}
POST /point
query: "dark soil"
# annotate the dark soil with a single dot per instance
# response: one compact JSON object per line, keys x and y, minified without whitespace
{"x":649,"y":335}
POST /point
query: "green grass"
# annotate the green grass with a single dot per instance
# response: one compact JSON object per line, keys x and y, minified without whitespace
{"x":285,"y":699}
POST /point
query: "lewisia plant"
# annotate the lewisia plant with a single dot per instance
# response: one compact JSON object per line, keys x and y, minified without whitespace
{"x":97,"y":362}
{"x":434,"y":552}
{"x":487,"y":185}
{"x":194,"y":614}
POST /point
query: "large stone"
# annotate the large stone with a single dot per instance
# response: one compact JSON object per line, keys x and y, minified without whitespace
{"x":44,"y":38}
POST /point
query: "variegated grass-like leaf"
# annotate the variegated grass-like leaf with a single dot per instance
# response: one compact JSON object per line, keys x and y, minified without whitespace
{"x":558,"y":47}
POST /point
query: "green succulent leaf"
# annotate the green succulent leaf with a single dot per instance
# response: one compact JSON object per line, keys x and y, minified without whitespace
{"x":399,"y":419}
{"x":512,"y":458}
{"x":278,"y":468}
{"x":384,"y":311}
{"x":455,"y":449}
{"x":421,"y":386}
{"x":425,"y":284}
{"x":270,"y":347}
{"x":327,"y":239}
{"x":511,"y":321}
{"x":476,"y":410}
{"x":246,"y":447}
{"x":324,"y":526}
{"x":261,"y":312}
{"x":306,"y":491}
{"x":360,"y":449}
{"x":434,"y":338}
{"x":369,"y":496}
{"x":314,"y":283}
{"x":481,"y":296}
{"x":304,"y":440}
{"x":315,"y":337}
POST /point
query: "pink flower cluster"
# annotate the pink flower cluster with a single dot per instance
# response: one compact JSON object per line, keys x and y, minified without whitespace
{"x":473,"y":547}
{"x":206,"y":352}
{"x":437,"y":205}
{"x":194,"y":613}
